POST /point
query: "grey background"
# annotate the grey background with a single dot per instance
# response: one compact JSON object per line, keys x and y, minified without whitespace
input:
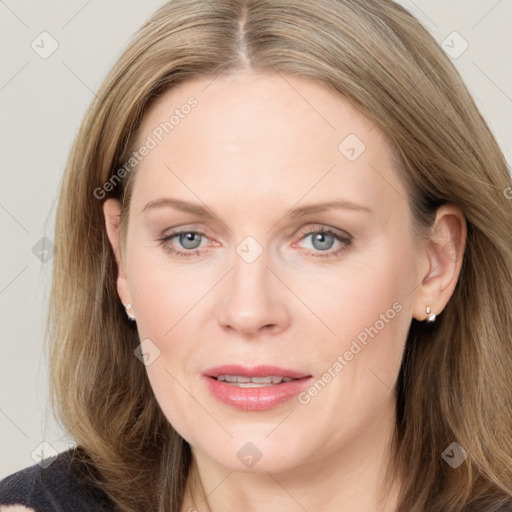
{"x":42,"y":102}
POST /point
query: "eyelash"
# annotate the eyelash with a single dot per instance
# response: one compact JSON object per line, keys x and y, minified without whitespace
{"x":345,"y":240}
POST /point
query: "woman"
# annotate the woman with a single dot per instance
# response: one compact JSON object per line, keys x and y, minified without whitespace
{"x":283,"y":277}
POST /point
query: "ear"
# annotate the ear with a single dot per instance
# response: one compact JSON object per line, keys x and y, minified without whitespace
{"x":112,"y":214}
{"x":442,"y":259}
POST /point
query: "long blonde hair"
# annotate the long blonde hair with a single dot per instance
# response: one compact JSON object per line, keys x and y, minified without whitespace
{"x":455,"y":384}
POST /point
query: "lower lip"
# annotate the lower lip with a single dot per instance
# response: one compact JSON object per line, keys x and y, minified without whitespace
{"x":256,"y":399}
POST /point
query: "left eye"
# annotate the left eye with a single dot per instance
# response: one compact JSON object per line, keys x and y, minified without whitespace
{"x":322,"y":241}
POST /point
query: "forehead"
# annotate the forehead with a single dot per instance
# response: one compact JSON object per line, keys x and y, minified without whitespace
{"x":264,"y":140}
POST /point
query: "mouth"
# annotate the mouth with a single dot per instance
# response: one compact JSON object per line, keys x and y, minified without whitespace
{"x":254,"y":388}
{"x":252,"y":382}
{"x":253,"y":376}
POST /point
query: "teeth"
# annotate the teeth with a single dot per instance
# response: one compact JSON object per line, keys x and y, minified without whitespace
{"x":233,"y":378}
{"x":253,"y":382}
{"x":264,"y":380}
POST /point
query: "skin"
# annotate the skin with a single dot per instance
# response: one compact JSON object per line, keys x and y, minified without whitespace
{"x":255,"y":147}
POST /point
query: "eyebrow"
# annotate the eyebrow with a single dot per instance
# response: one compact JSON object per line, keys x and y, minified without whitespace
{"x":197,"y":209}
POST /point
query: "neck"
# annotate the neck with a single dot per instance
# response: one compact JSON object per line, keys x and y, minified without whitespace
{"x":352,"y":479}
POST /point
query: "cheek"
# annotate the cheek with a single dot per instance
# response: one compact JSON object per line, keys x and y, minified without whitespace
{"x":166,"y":295}
{"x":368,"y":314}
{"x":167,"y":302}
{"x":367,"y":300}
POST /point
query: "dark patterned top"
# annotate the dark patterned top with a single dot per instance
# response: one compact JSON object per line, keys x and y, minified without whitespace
{"x":62,"y":486}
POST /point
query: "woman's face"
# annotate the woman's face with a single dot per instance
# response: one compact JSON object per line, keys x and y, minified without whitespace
{"x":247,"y":162}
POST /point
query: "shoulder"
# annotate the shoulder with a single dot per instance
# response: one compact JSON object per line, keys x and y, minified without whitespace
{"x":65,"y":484}
{"x":15,"y":508}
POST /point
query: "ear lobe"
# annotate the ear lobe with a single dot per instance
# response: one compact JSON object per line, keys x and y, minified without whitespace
{"x":445,"y":252}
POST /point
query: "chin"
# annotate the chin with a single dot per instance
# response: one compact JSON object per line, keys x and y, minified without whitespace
{"x":258,"y":456}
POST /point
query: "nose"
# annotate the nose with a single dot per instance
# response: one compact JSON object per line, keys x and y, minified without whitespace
{"x":253,"y":299}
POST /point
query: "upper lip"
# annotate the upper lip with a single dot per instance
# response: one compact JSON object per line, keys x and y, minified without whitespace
{"x":254,"y":371}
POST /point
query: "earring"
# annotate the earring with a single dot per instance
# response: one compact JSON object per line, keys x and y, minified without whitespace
{"x":431,"y":316}
{"x":131,"y":316}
